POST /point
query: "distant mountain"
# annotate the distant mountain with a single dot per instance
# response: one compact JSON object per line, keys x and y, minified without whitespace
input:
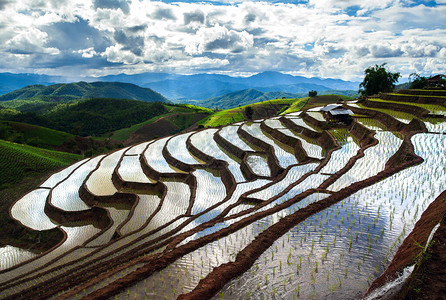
{"x":10,"y":82}
{"x":82,"y":90}
{"x":204,"y":86}
{"x":243,"y":97}
{"x":199,"y":86}
{"x":248,"y":96}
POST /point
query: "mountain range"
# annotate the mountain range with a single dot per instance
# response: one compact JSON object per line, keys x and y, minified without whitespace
{"x":178,"y":88}
{"x":83,"y":90}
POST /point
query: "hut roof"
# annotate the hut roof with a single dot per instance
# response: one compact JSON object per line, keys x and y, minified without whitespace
{"x":336,"y":110}
{"x":437,"y":78}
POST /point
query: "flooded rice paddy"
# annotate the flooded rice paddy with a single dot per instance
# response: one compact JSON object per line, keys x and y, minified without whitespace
{"x":209,"y":216}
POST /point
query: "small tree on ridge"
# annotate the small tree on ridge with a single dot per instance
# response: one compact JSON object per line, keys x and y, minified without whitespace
{"x":248,"y":112}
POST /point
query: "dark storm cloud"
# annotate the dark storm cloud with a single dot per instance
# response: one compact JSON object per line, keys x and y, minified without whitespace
{"x":156,"y":39}
{"x":249,"y":18}
{"x":196,"y":16}
{"x":362,"y":51}
{"x":230,"y":41}
{"x":135,"y":44}
{"x":385,"y":52}
{"x":112,"y":4}
{"x":138,"y":28}
{"x":69,"y":59}
{"x":3,"y":4}
{"x":75,"y":36}
{"x":163,"y":14}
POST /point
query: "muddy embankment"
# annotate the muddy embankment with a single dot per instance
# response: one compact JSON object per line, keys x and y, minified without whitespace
{"x":439,"y":93}
{"x":221,"y":275}
{"x":409,"y":252}
{"x":414,"y":99}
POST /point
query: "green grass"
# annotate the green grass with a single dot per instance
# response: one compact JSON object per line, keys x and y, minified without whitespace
{"x":234,"y":115}
{"x":33,"y":135}
{"x":370,"y":122}
{"x":407,"y":95}
{"x":433,"y":108}
{"x":392,"y":113}
{"x":341,"y":136}
{"x":297,"y":105}
{"x":224,"y":117}
{"x":124,"y":133}
{"x":323,"y":100}
{"x":185,"y":114}
{"x":18,"y":161}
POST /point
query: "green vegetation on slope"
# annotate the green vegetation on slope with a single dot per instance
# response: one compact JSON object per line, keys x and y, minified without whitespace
{"x":324,"y":100}
{"x":20,"y":161}
{"x":182,"y":116}
{"x":82,"y":90}
{"x":260,"y":110}
{"x":297,"y":105}
{"x":93,"y":116}
{"x":33,"y":135}
{"x":242,"y":98}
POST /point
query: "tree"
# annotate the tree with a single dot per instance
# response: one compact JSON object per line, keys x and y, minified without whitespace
{"x":248,"y":112}
{"x":312,"y":93}
{"x":378,"y":79}
{"x":417,"y":81}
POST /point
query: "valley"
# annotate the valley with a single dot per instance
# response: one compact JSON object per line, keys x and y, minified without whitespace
{"x":269,"y":204}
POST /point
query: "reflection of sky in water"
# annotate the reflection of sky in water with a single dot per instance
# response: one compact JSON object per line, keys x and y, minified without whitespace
{"x":381,"y":216}
{"x":333,"y":254}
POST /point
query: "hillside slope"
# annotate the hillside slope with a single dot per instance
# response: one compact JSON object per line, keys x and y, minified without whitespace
{"x":92,"y":116}
{"x":204,"y":86}
{"x":243,"y":97}
{"x":83,"y":90}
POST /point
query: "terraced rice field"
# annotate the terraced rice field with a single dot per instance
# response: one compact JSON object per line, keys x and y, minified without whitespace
{"x":275,"y":209}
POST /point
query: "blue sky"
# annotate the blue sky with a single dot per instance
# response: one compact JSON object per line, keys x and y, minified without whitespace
{"x":325,"y":38}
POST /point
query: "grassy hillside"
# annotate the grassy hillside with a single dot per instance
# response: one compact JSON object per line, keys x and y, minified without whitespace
{"x":20,"y":161}
{"x":244,"y":97}
{"x":324,"y":100}
{"x":175,"y":119}
{"x":23,"y":168}
{"x":81,"y":90}
{"x":33,"y":135}
{"x":260,"y":110}
{"x":92,"y":116}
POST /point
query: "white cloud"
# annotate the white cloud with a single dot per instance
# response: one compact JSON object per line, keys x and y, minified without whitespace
{"x":87,"y":53}
{"x":30,"y":42}
{"x":320,"y":38}
{"x":219,"y":39}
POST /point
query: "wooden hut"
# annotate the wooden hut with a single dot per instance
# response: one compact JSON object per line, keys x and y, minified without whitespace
{"x":437,"y":80}
{"x":335,"y":113}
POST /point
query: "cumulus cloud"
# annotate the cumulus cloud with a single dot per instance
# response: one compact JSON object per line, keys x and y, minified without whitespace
{"x":3,"y":4}
{"x":220,"y":40}
{"x":30,"y":42}
{"x":195,"y":16}
{"x":313,"y":38}
{"x":134,"y":44}
{"x":112,"y":4}
{"x":163,"y":13}
{"x":383,"y":51}
{"x":87,"y":53}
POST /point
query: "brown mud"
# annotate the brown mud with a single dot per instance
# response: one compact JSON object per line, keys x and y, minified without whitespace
{"x":428,"y":280}
{"x":221,"y":275}
{"x":414,"y":243}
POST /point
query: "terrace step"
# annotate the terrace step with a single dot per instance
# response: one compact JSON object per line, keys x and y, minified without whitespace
{"x":415,"y":98}
{"x":441,"y":93}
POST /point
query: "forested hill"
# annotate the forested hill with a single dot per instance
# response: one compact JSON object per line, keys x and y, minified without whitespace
{"x":243,"y":97}
{"x":82,"y":90}
{"x":92,"y":116}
